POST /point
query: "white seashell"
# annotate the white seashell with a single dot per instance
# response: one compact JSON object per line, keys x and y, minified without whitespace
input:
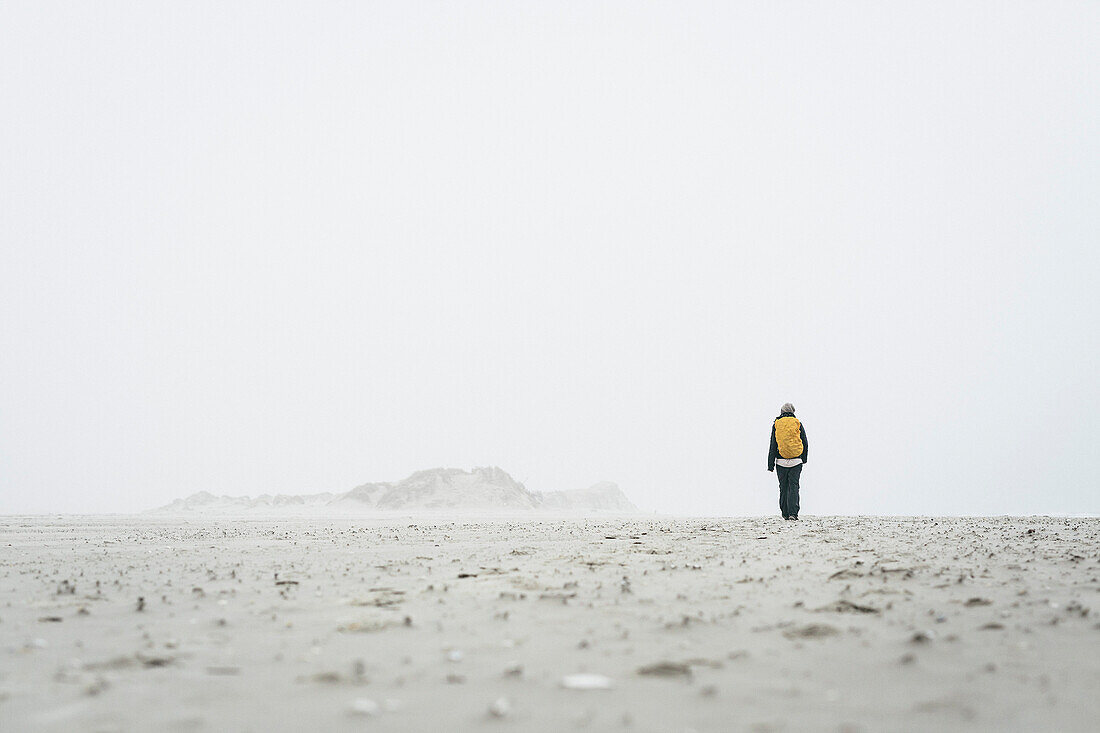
{"x":585,"y":681}
{"x":364,"y":706}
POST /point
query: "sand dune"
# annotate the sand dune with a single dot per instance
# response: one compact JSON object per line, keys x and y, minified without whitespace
{"x":833,"y":624}
{"x":483,"y":491}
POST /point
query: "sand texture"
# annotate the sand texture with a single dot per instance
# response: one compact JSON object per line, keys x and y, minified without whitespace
{"x":831,"y":624}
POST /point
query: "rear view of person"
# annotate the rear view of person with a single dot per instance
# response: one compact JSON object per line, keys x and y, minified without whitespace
{"x":787,"y":454}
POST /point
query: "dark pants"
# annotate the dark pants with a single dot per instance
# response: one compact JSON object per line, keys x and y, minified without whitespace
{"x":788,"y":489}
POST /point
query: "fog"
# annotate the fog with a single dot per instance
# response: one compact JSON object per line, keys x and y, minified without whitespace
{"x":265,"y":247}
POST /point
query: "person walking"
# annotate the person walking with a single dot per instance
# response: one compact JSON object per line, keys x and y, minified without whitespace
{"x":787,"y":455}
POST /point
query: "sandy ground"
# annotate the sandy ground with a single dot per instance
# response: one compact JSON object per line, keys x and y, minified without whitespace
{"x":833,"y":624}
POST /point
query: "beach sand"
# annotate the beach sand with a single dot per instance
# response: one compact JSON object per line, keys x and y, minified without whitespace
{"x":832,"y":623}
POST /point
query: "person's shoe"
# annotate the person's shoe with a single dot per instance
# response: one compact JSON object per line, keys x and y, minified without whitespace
{"x":786,"y":518}
{"x":795,"y":518}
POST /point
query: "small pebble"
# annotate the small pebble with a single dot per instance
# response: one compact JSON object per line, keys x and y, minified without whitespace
{"x":500,"y":707}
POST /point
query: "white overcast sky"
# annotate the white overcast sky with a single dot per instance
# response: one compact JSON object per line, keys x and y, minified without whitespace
{"x":291,"y":247}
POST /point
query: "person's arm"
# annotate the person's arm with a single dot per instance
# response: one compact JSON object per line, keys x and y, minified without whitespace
{"x":773,"y":451}
{"x":805,"y":443}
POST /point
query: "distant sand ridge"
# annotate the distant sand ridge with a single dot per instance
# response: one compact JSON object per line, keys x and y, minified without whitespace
{"x":453,"y":490}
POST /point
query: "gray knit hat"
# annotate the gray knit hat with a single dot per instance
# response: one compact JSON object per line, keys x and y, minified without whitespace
{"x":787,"y":407}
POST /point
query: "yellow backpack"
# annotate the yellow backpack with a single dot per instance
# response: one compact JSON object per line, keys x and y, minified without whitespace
{"x":788,"y":436}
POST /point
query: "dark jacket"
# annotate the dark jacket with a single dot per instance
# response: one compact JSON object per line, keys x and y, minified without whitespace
{"x":773,"y":452}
